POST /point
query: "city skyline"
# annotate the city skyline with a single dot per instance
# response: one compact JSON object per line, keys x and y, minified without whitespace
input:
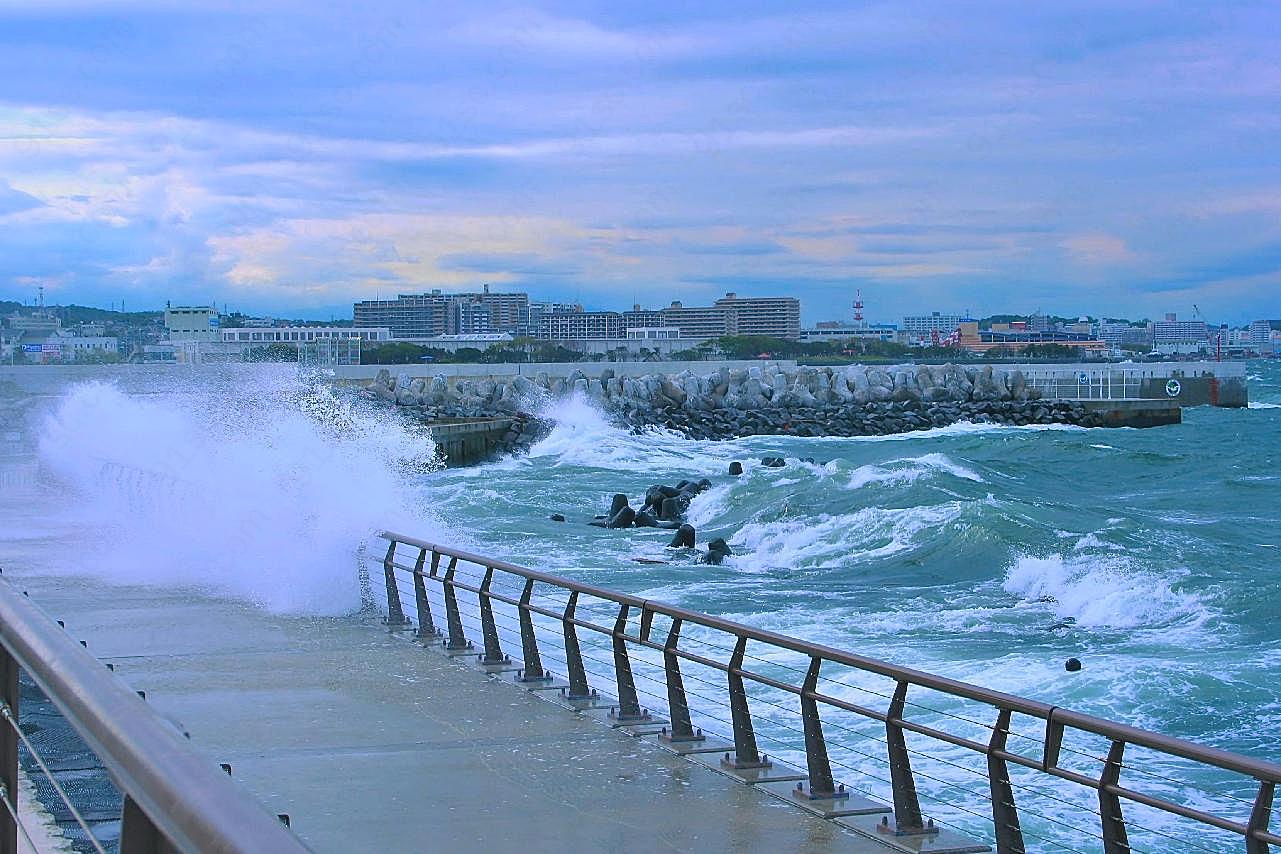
{"x":808,"y":322}
{"x":986,"y":159}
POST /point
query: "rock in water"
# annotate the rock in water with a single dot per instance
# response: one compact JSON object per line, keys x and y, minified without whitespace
{"x":556,"y":517}
{"x":717,"y":551}
{"x":671,"y":509}
{"x":1072,"y":665}
{"x":624,"y":518}
{"x":773,"y":462}
{"x":684,"y":538}
{"x":735,"y":468}
{"x":619,"y":502}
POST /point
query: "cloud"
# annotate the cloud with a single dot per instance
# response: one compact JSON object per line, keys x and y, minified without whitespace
{"x":934,"y":154}
{"x":1095,"y":249}
{"x":14,"y":201}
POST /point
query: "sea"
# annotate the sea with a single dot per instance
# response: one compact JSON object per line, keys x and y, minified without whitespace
{"x":987,"y":554}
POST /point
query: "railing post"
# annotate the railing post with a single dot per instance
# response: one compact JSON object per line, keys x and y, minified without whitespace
{"x":907,"y":806}
{"x":682,"y":727}
{"x":1260,"y":817}
{"x":395,"y":614}
{"x":746,"y":754}
{"x":1005,"y":816}
{"x":488,"y":628}
{"x":456,"y":640}
{"x":1115,"y":838}
{"x":138,"y":834}
{"x":578,"y":689}
{"x":629,"y":709}
{"x":9,"y":693}
{"x":532,"y":671}
{"x":822,"y":785}
{"x":426,"y":626}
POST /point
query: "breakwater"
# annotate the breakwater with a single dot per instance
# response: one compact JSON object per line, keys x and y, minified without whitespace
{"x":770,"y":399}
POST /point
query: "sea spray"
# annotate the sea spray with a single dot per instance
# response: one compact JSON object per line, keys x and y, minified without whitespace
{"x":1104,"y":591}
{"x":269,"y":495}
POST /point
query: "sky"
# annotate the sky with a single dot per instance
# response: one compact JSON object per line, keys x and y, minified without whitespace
{"x":1103,"y":158}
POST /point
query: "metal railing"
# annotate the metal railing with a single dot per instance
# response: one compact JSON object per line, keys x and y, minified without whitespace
{"x":649,"y":649}
{"x":1090,"y":384}
{"x":173,"y":799}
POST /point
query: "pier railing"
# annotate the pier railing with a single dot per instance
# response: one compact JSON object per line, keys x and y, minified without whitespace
{"x":173,"y":800}
{"x":895,"y":753}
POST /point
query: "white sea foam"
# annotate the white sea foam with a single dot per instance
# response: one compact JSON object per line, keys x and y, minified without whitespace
{"x":585,"y":435}
{"x":832,"y":541}
{"x":1255,"y":404}
{"x":268,"y":495}
{"x":910,"y":470}
{"x":1104,"y":592}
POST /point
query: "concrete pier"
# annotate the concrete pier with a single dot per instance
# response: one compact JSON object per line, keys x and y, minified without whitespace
{"x":464,"y":441}
{"x":372,"y":743}
{"x":1137,"y":413}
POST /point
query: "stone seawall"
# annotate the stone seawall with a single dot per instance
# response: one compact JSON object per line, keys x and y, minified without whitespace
{"x":729,"y":402}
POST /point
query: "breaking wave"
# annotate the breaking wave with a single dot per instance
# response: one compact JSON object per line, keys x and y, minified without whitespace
{"x":270,"y":494}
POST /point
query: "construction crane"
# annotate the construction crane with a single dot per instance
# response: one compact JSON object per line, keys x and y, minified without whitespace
{"x":1218,"y":338}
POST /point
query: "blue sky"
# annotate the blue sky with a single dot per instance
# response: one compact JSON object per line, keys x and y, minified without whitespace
{"x":1086,"y":157}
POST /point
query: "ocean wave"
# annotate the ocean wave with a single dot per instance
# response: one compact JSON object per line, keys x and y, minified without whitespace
{"x":1104,"y":592}
{"x":910,"y":470}
{"x":827,"y":541}
{"x":272,"y":495}
{"x":585,"y":435}
{"x":1255,"y":404}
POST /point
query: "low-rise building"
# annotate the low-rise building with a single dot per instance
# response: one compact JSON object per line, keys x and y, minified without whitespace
{"x":651,"y":333}
{"x":581,"y":325}
{"x":842,"y":332}
{"x":301,"y":334}
{"x":191,"y":323}
{"x":970,"y":337}
{"x":929,"y":328}
{"x":85,"y":347}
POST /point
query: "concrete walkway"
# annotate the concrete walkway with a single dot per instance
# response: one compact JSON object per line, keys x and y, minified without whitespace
{"x":372,"y":743}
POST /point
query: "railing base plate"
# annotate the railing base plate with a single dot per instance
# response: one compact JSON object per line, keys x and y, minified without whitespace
{"x":497,"y":667}
{"x":577,"y":704}
{"x":633,"y":720}
{"x":541,"y":684}
{"x":462,"y":650}
{"x":943,"y":842}
{"x":685,"y":748}
{"x":850,"y":805}
{"x":774,"y":772}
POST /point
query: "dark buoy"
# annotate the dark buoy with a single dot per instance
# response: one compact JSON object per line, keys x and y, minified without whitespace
{"x":619,"y":502}
{"x":1072,"y":665}
{"x":684,"y":538}
{"x":556,"y":517}
{"x":735,"y":468}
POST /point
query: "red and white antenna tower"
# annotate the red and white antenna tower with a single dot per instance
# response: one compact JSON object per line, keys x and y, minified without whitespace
{"x":858,"y":307}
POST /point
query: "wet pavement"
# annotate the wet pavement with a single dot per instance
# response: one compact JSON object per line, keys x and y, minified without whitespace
{"x":371,"y":742}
